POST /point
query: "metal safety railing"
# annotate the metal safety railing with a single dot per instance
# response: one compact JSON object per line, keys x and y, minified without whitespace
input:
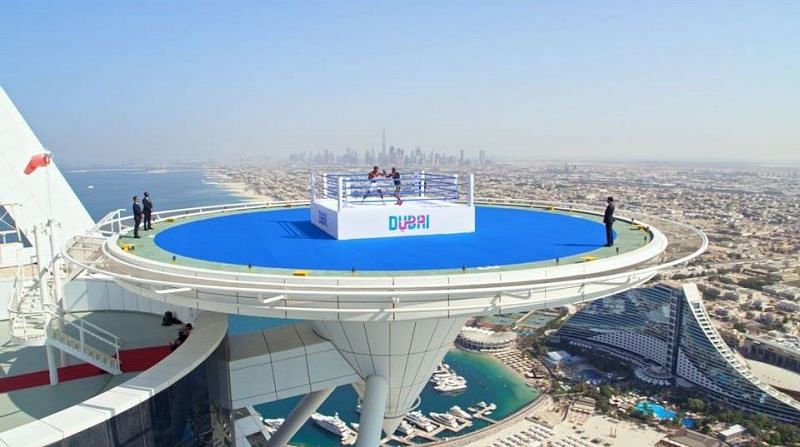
{"x":110,"y":224}
{"x":88,"y":334}
{"x":352,"y":189}
{"x":26,"y":324}
{"x":116,"y":222}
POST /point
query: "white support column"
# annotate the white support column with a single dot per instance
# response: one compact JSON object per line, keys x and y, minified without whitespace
{"x":52,"y":366}
{"x":404,"y":354}
{"x":301,"y":413}
{"x":313,"y":188}
{"x":370,"y":425}
{"x":58,"y":289}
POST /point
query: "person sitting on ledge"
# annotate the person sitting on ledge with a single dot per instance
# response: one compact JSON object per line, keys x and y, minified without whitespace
{"x":169,"y":319}
{"x":183,"y":334}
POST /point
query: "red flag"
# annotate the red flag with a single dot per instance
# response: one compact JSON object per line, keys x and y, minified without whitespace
{"x":37,"y":161}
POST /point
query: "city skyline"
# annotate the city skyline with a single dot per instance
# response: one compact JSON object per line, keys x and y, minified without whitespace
{"x":152,"y":82}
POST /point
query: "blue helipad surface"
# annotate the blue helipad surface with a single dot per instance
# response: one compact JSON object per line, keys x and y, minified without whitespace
{"x":286,"y":239}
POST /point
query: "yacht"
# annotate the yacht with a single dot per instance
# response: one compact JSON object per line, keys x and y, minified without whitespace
{"x":450,"y":386}
{"x":336,"y":426}
{"x":446,"y":419}
{"x":456,"y":411}
{"x":272,"y":425}
{"x":443,"y":368}
{"x":419,"y":419}
{"x":405,"y":428}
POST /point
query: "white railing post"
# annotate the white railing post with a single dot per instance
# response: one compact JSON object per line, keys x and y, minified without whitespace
{"x":455,"y":183}
{"x":55,"y":266}
{"x":340,"y":193}
{"x":80,"y":332}
{"x":472,"y":190}
{"x":422,"y":185}
{"x":324,"y":186}
{"x":313,"y":187}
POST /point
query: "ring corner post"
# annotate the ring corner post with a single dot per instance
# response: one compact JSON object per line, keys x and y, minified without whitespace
{"x":340,"y":194}
{"x":471,"y":190}
{"x":313,"y":187}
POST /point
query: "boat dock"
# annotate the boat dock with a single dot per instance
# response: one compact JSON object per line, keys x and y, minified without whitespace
{"x":478,"y":412}
{"x":481,"y":414}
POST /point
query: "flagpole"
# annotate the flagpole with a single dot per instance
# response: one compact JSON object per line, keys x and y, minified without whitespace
{"x":49,"y":186}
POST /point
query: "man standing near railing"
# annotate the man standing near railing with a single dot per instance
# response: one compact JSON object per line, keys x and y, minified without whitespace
{"x":148,"y":211}
{"x":608,"y":219}
{"x":137,"y":216}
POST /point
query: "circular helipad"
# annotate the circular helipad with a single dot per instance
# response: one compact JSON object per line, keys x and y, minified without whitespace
{"x":285,"y":239}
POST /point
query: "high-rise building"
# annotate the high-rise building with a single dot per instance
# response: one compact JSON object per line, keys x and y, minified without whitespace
{"x":666,"y":334}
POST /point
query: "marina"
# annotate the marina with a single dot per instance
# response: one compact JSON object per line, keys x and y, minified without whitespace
{"x":415,"y":429}
{"x":489,"y":380}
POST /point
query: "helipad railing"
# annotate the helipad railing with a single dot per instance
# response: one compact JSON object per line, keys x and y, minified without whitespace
{"x":393,"y":294}
{"x":648,"y":251}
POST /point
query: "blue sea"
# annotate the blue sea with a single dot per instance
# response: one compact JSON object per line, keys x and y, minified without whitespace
{"x":102,"y":191}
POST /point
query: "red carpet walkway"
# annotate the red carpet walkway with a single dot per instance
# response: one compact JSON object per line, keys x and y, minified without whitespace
{"x":133,"y":360}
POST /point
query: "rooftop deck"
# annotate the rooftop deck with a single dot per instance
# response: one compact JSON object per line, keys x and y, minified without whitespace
{"x":23,"y":405}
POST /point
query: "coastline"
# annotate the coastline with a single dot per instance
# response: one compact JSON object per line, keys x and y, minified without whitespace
{"x":235,"y":187}
{"x":494,"y":428}
{"x":507,"y":420}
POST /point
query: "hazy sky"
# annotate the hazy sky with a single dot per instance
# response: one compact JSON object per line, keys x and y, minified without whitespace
{"x":112,"y":81}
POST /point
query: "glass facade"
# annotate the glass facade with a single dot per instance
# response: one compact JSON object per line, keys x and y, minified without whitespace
{"x":634,"y":323}
{"x":705,"y":360}
{"x":669,"y":328}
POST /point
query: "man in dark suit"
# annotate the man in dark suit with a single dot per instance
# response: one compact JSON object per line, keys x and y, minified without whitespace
{"x":137,"y":216}
{"x":608,"y":219}
{"x":148,"y":211}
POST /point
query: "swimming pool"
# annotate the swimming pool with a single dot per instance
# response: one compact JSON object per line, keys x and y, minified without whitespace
{"x":662,"y":413}
{"x":655,"y":409}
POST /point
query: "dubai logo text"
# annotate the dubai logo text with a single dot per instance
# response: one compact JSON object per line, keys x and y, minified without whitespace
{"x":411,"y":222}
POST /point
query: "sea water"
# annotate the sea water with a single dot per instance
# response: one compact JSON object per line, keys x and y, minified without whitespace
{"x":487,"y":379}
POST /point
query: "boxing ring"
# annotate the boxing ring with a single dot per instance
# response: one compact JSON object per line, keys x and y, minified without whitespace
{"x":353,"y":206}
